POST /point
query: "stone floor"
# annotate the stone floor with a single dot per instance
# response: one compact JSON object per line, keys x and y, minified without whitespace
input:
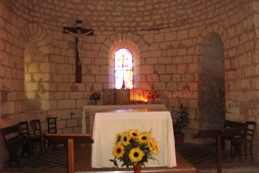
{"x":202,"y":157}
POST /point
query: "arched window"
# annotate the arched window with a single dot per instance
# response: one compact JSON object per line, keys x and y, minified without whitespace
{"x":123,"y":65}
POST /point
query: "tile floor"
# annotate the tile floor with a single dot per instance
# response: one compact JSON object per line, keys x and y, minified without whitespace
{"x":204,"y":159}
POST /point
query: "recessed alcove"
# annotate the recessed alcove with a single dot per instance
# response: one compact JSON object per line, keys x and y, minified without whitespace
{"x":211,"y":83}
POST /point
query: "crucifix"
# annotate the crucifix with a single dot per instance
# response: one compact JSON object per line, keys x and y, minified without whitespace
{"x":78,"y":32}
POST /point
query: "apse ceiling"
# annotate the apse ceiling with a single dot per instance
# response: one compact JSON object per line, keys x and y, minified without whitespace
{"x":127,"y":15}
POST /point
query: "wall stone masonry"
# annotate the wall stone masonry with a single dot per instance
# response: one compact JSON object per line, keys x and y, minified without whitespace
{"x":170,"y":41}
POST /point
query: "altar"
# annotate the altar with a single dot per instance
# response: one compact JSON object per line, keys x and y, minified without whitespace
{"x":89,"y":112}
{"x":108,"y":124}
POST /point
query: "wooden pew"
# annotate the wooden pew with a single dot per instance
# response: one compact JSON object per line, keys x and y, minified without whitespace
{"x":13,"y":140}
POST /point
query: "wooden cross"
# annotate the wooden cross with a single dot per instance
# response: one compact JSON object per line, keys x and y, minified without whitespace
{"x":78,"y":32}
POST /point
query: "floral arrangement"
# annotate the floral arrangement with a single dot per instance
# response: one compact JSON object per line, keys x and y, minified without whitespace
{"x":134,"y":148}
{"x":96,"y":96}
{"x":153,"y":94}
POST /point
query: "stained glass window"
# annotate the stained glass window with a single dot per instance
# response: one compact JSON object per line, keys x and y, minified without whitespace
{"x":123,"y":69}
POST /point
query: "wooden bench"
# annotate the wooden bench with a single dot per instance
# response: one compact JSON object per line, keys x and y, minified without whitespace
{"x":13,"y":140}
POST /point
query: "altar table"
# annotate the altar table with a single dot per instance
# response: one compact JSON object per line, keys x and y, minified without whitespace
{"x":90,"y":110}
{"x":108,"y":124}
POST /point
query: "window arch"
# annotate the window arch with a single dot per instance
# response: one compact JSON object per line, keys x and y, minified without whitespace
{"x":123,"y":69}
{"x":134,"y":50}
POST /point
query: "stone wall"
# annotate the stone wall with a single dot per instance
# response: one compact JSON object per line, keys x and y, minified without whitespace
{"x":168,"y":37}
{"x":256,"y":58}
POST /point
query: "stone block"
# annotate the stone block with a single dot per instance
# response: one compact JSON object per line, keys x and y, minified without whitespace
{"x":165,"y":78}
{"x":152,"y":61}
{"x":61,"y":124}
{"x":181,"y":51}
{"x":64,"y":68}
{"x":170,"y":36}
{"x":77,"y":130}
{"x":182,"y":34}
{"x":170,"y":69}
{"x":171,"y":86}
{"x":152,"y":78}
{"x":68,"y":130}
{"x":159,"y":69}
{"x":159,"y":38}
{"x":81,"y":102}
{"x":72,"y":123}
{"x":193,"y":32}
{"x":44,"y":67}
{"x":57,"y":35}
{"x":165,"y":60}
{"x":156,"y":53}
{"x":78,"y":114}
{"x":146,"y":69}
{"x":102,"y":79}
{"x":159,"y":86}
{"x":76,"y":95}
{"x":182,"y":68}
{"x":193,"y":103}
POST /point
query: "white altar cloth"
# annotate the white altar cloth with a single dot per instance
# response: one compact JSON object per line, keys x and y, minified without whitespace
{"x":90,"y":110}
{"x":108,"y":124}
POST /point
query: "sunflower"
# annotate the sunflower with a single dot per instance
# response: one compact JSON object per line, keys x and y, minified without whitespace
{"x":134,"y":133}
{"x":155,"y":147}
{"x":150,"y":145}
{"x":125,"y":139}
{"x":118,"y":137}
{"x":134,"y":148}
{"x":136,"y":154}
{"x":118,"y":150}
{"x":144,"y":138}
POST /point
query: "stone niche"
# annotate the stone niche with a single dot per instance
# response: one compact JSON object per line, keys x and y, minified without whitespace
{"x":123,"y":96}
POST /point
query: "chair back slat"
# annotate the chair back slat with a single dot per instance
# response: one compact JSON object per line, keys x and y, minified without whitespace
{"x":234,"y":124}
{"x":11,"y":134}
{"x":250,"y":130}
{"x":24,"y":128}
{"x":36,"y":127}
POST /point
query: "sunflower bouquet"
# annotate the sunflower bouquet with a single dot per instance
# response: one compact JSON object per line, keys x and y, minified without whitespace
{"x":134,"y":148}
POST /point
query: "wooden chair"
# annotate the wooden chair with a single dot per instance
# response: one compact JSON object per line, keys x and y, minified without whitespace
{"x":24,"y":129}
{"x":232,"y":125}
{"x":244,"y":145}
{"x":38,"y":137}
{"x":52,"y":129}
{"x":13,"y":140}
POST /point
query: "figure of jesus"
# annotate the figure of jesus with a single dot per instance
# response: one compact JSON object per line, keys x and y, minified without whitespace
{"x":79,"y":35}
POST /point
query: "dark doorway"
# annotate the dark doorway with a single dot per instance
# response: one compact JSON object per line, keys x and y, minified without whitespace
{"x":212,"y":83}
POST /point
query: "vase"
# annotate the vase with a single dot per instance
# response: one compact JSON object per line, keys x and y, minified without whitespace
{"x":137,"y":169}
